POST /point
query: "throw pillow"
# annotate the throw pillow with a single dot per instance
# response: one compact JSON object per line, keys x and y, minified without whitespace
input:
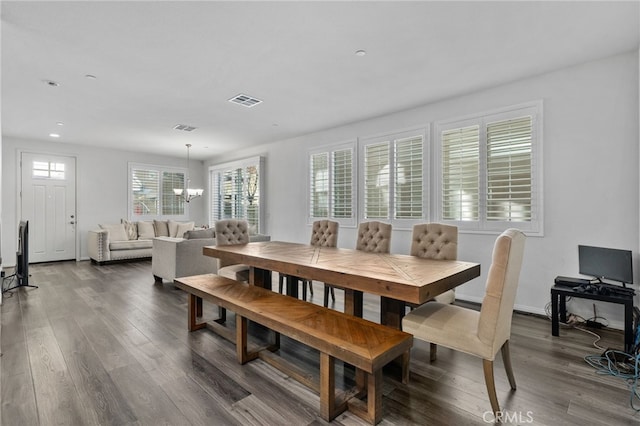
{"x":146,"y":231}
{"x":131,"y":229}
{"x":200,"y":233}
{"x":184,"y":227}
{"x":161,"y":228}
{"x":173,"y":228}
{"x":116,"y":231}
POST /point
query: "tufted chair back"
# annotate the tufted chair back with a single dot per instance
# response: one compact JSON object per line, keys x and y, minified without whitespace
{"x":374,"y":237}
{"x":231,"y":232}
{"x":324,"y":233}
{"x":435,"y":241}
{"x":494,"y":327}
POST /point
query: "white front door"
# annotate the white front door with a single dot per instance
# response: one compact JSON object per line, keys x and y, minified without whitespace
{"x":48,"y":202}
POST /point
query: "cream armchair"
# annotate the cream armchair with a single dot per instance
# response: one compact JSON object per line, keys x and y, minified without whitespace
{"x":483,"y":333}
{"x":182,"y":257}
{"x":176,"y":257}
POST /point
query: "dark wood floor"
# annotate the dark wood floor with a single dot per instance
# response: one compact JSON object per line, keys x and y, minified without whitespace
{"x":105,"y":345}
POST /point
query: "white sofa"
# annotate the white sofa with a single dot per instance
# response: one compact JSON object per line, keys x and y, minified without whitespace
{"x":179,"y":257}
{"x":103,"y":249}
{"x":130,"y":240}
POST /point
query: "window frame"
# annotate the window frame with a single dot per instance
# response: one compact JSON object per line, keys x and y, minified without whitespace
{"x":392,"y":138}
{"x":160,"y":169}
{"x":482,"y":225}
{"x":223,"y":168}
{"x":330,"y":150}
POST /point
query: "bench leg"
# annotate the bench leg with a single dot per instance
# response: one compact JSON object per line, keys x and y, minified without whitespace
{"x":327,"y":387}
{"x":241,"y":341}
{"x":199,"y":306}
{"x":374,"y":397}
{"x":372,"y":410}
{"x":222,"y":315}
{"x":406,"y":361}
{"x":195,"y":306}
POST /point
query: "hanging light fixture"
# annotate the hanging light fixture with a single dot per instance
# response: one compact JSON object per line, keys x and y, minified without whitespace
{"x":188,"y":194}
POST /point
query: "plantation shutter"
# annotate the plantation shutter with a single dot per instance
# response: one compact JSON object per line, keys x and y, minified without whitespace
{"x":319,"y":185}
{"x":509,"y":162}
{"x":376,"y":181}
{"x":460,"y":173}
{"x":215,"y":178}
{"x":408,"y":178}
{"x":342,"y":162}
{"x":172,"y":204}
{"x":146,"y":192}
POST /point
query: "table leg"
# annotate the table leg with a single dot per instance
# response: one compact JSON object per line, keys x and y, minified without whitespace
{"x":555,"y":327}
{"x":353,"y":300}
{"x":391,"y":312}
{"x":260,"y":277}
{"x":628,"y":325}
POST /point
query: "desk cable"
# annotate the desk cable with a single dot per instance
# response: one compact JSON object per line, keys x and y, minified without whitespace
{"x":619,"y":364}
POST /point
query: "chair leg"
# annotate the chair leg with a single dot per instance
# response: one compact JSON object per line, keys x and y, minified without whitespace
{"x":326,"y":296}
{"x":491,"y":385}
{"x":506,"y":360}
{"x":433,"y":352}
{"x":304,"y":290}
{"x":333,"y":294}
{"x":310,"y":286}
{"x":280,"y":283}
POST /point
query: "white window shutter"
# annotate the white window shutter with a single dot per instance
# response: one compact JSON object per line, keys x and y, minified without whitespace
{"x":342,"y":184}
{"x":460,"y":174}
{"x":408,"y":178}
{"x":376,"y":181}
{"x":319,"y":185}
{"x":509,"y":174}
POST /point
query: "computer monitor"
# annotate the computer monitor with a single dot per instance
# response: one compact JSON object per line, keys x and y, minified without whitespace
{"x":606,"y":263}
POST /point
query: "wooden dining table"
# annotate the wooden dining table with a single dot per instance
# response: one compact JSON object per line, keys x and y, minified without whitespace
{"x":398,"y":279}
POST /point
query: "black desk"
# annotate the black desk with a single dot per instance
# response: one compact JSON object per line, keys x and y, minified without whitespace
{"x":559,"y":296}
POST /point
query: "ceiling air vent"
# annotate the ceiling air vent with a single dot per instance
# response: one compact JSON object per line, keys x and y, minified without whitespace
{"x":245,"y":100}
{"x":184,"y":127}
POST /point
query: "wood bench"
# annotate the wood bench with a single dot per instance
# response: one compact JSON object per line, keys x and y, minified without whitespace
{"x":365,"y":345}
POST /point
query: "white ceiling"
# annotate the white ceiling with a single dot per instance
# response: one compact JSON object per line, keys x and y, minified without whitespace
{"x":159,"y":64}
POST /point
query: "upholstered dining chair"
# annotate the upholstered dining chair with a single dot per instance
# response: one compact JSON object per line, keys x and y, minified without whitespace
{"x":324,"y":233}
{"x":479,"y":333}
{"x":373,"y":237}
{"x":436,"y":241}
{"x":232,"y":232}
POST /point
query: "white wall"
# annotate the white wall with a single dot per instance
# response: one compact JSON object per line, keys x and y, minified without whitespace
{"x":591,"y":179}
{"x":101,"y":181}
{"x":591,"y":182}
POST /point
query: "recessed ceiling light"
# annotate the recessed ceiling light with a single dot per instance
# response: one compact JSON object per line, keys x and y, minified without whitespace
{"x":51,"y":83}
{"x":54,"y":135}
{"x":60,"y":123}
{"x":361,"y":52}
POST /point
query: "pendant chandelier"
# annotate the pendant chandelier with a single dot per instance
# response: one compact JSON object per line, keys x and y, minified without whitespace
{"x":188,"y":194}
